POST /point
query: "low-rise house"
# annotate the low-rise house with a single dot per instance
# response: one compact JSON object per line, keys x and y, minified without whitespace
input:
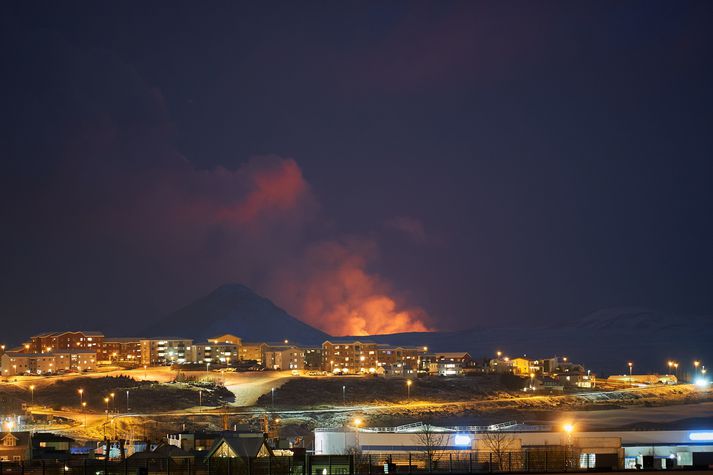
{"x":239,"y":447}
{"x":15,"y":446}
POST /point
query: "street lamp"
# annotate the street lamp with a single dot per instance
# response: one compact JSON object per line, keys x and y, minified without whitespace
{"x":106,"y":402}
{"x":631,"y":369}
{"x":127,"y":400}
{"x":84,"y":411}
{"x":344,"y":395}
{"x":272,"y":392}
{"x":81,"y":396}
{"x":200,"y":400}
{"x":696,"y":364}
{"x":113,"y":402}
{"x":408,"y":388}
{"x":32,"y":391}
{"x":532,"y":380}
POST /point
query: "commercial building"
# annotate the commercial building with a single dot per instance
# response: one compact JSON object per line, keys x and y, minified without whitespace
{"x":165,"y":350}
{"x":526,"y":447}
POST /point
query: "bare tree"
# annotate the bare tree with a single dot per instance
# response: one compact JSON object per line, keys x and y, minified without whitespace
{"x":499,"y":444}
{"x":432,"y":443}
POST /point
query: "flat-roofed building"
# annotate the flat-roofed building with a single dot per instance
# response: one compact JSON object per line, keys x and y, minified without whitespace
{"x":218,"y":353}
{"x":165,"y":350}
{"x":284,"y":357}
{"x":349,"y":356}
{"x":14,"y":363}
{"x":253,"y":352}
{"x":120,"y":350}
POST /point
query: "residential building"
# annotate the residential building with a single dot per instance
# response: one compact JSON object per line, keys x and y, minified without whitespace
{"x":253,"y":352}
{"x":313,"y":358}
{"x":66,"y":340}
{"x":449,"y":363}
{"x":120,"y":350}
{"x":227,"y":338}
{"x":200,"y":441}
{"x":389,"y":355}
{"x":350,"y":356}
{"x":239,"y":447}
{"x":284,"y":358}
{"x":14,"y":363}
{"x":165,"y":350}
{"x":217,"y":353}
{"x":15,"y":446}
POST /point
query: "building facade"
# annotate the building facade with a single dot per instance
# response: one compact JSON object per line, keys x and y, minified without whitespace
{"x":61,"y":341}
{"x":165,"y":351}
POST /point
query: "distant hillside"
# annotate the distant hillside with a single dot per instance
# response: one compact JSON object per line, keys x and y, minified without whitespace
{"x":236,"y":309}
{"x":605,"y":340}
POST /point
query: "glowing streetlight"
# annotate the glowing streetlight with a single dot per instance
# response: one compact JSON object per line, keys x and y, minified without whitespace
{"x":272,"y":394}
{"x":84,"y":412}
{"x":106,"y":402}
{"x":357,"y":422}
{"x":113,"y":401}
{"x":81,"y":396}
{"x":532,"y":380}
{"x":32,"y":392}
{"x":499,"y":353}
{"x":408,"y":388}
{"x":568,"y":428}
{"x":696,"y":364}
{"x":631,"y":369}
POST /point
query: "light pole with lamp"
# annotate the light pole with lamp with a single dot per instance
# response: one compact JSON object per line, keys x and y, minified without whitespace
{"x":81,"y":396}
{"x":32,"y":392}
{"x":113,"y":401}
{"x":127,"y":400}
{"x":84,"y":412}
{"x":568,"y":429}
{"x":696,"y":364}
{"x":272,"y":394}
{"x":344,"y":395}
{"x":106,"y":403}
{"x":631,"y":369}
{"x":408,"y":388}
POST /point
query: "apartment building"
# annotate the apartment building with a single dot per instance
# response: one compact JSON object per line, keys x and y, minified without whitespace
{"x":253,"y":352}
{"x":66,"y":340}
{"x":214,"y":352}
{"x":284,"y":358}
{"x":16,"y":363}
{"x":165,"y":350}
{"x":350,"y":357}
{"x":120,"y":350}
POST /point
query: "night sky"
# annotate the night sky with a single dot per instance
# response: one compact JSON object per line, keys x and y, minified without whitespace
{"x":372,"y":167}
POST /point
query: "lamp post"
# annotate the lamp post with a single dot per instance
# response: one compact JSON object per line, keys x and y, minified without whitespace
{"x":357,"y":423}
{"x":532,"y":381}
{"x":106,"y":403}
{"x":127,"y":400}
{"x":113,"y":401}
{"x":200,"y":400}
{"x":144,"y":372}
{"x":696,"y":364}
{"x":568,"y":429}
{"x":81,"y":396}
{"x":32,"y":392}
{"x":272,"y":394}
{"x":631,"y":369}
{"x":408,"y":388}
{"x":84,"y":412}
{"x":344,"y":395}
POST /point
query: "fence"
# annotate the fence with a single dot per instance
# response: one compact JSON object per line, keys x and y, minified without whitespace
{"x":353,"y":464}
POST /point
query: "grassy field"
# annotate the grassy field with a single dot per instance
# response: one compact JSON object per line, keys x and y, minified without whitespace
{"x":144,"y":396}
{"x":315,"y":392}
